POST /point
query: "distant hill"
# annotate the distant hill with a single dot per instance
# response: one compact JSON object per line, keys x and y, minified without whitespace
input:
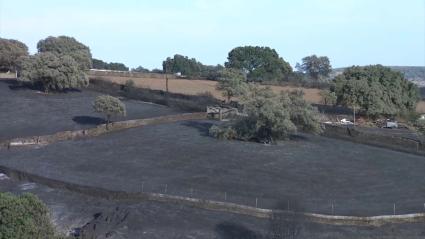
{"x":415,"y":74}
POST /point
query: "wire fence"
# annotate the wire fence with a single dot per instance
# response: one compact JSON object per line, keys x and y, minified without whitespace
{"x":346,"y":207}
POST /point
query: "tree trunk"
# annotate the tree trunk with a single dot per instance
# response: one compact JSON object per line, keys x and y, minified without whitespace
{"x":107,"y":121}
{"x":166,"y":82}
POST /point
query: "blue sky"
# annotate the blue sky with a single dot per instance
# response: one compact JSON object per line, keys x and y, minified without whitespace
{"x":137,"y":32}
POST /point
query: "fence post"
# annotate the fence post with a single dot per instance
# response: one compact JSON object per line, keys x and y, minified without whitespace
{"x":333,"y":212}
{"x":225,"y":196}
{"x":143,"y":184}
{"x":165,"y":191}
{"x":256,"y":202}
{"x":288,"y":205}
{"x":191,"y":192}
{"x":394,"y":208}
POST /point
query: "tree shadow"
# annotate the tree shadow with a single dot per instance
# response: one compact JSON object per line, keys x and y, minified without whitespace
{"x":229,"y":230}
{"x":298,"y":137}
{"x":16,"y":85}
{"x":88,"y":120}
{"x":202,"y":127}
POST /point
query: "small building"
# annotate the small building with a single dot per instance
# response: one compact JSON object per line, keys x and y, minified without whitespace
{"x":391,"y":124}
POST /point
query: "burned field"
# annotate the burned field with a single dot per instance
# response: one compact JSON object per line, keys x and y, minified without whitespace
{"x":27,"y":112}
{"x":180,"y":158}
{"x":312,"y":173}
{"x":78,"y":213}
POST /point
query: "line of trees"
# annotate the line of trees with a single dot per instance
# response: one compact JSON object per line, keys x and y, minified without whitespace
{"x":113,"y":66}
{"x":62,"y":63}
{"x":190,"y":67}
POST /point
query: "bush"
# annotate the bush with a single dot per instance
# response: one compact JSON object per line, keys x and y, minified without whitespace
{"x":328,"y":97}
{"x":129,"y":86}
{"x":24,"y":216}
{"x":420,"y":125}
{"x":223,"y":133}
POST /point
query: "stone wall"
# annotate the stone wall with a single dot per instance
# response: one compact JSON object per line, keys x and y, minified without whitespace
{"x":375,"y":139}
{"x":99,"y":130}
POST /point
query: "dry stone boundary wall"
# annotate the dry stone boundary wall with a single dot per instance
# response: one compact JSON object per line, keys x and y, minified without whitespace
{"x":375,"y":139}
{"x":99,"y":130}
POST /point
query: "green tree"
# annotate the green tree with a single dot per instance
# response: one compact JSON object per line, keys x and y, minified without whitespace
{"x":182,"y":64}
{"x":52,"y":72}
{"x":11,"y":51}
{"x":190,"y":67}
{"x":376,"y":90}
{"x":232,"y":83}
{"x":260,"y":63}
{"x":316,"y":67}
{"x":64,"y":45}
{"x":270,"y":116}
{"x":109,"y":106}
{"x":113,"y":66}
{"x":328,"y":97}
{"x":23,"y":217}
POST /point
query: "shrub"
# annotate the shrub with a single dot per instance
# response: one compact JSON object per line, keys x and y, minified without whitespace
{"x":420,"y":125}
{"x":223,"y":132}
{"x":129,"y":86}
{"x":23,"y":217}
{"x":328,"y":97}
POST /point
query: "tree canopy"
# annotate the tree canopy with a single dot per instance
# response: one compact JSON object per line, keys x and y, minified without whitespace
{"x":259,"y":63}
{"x":232,"y":83}
{"x":140,"y":69}
{"x":316,"y":67}
{"x":11,"y":51}
{"x":109,"y":106}
{"x":190,"y":67}
{"x":113,"y":66}
{"x":64,"y":45}
{"x":271,"y":116}
{"x":52,"y":72}
{"x":182,"y":64}
{"x":376,"y":90}
{"x":24,"y":216}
